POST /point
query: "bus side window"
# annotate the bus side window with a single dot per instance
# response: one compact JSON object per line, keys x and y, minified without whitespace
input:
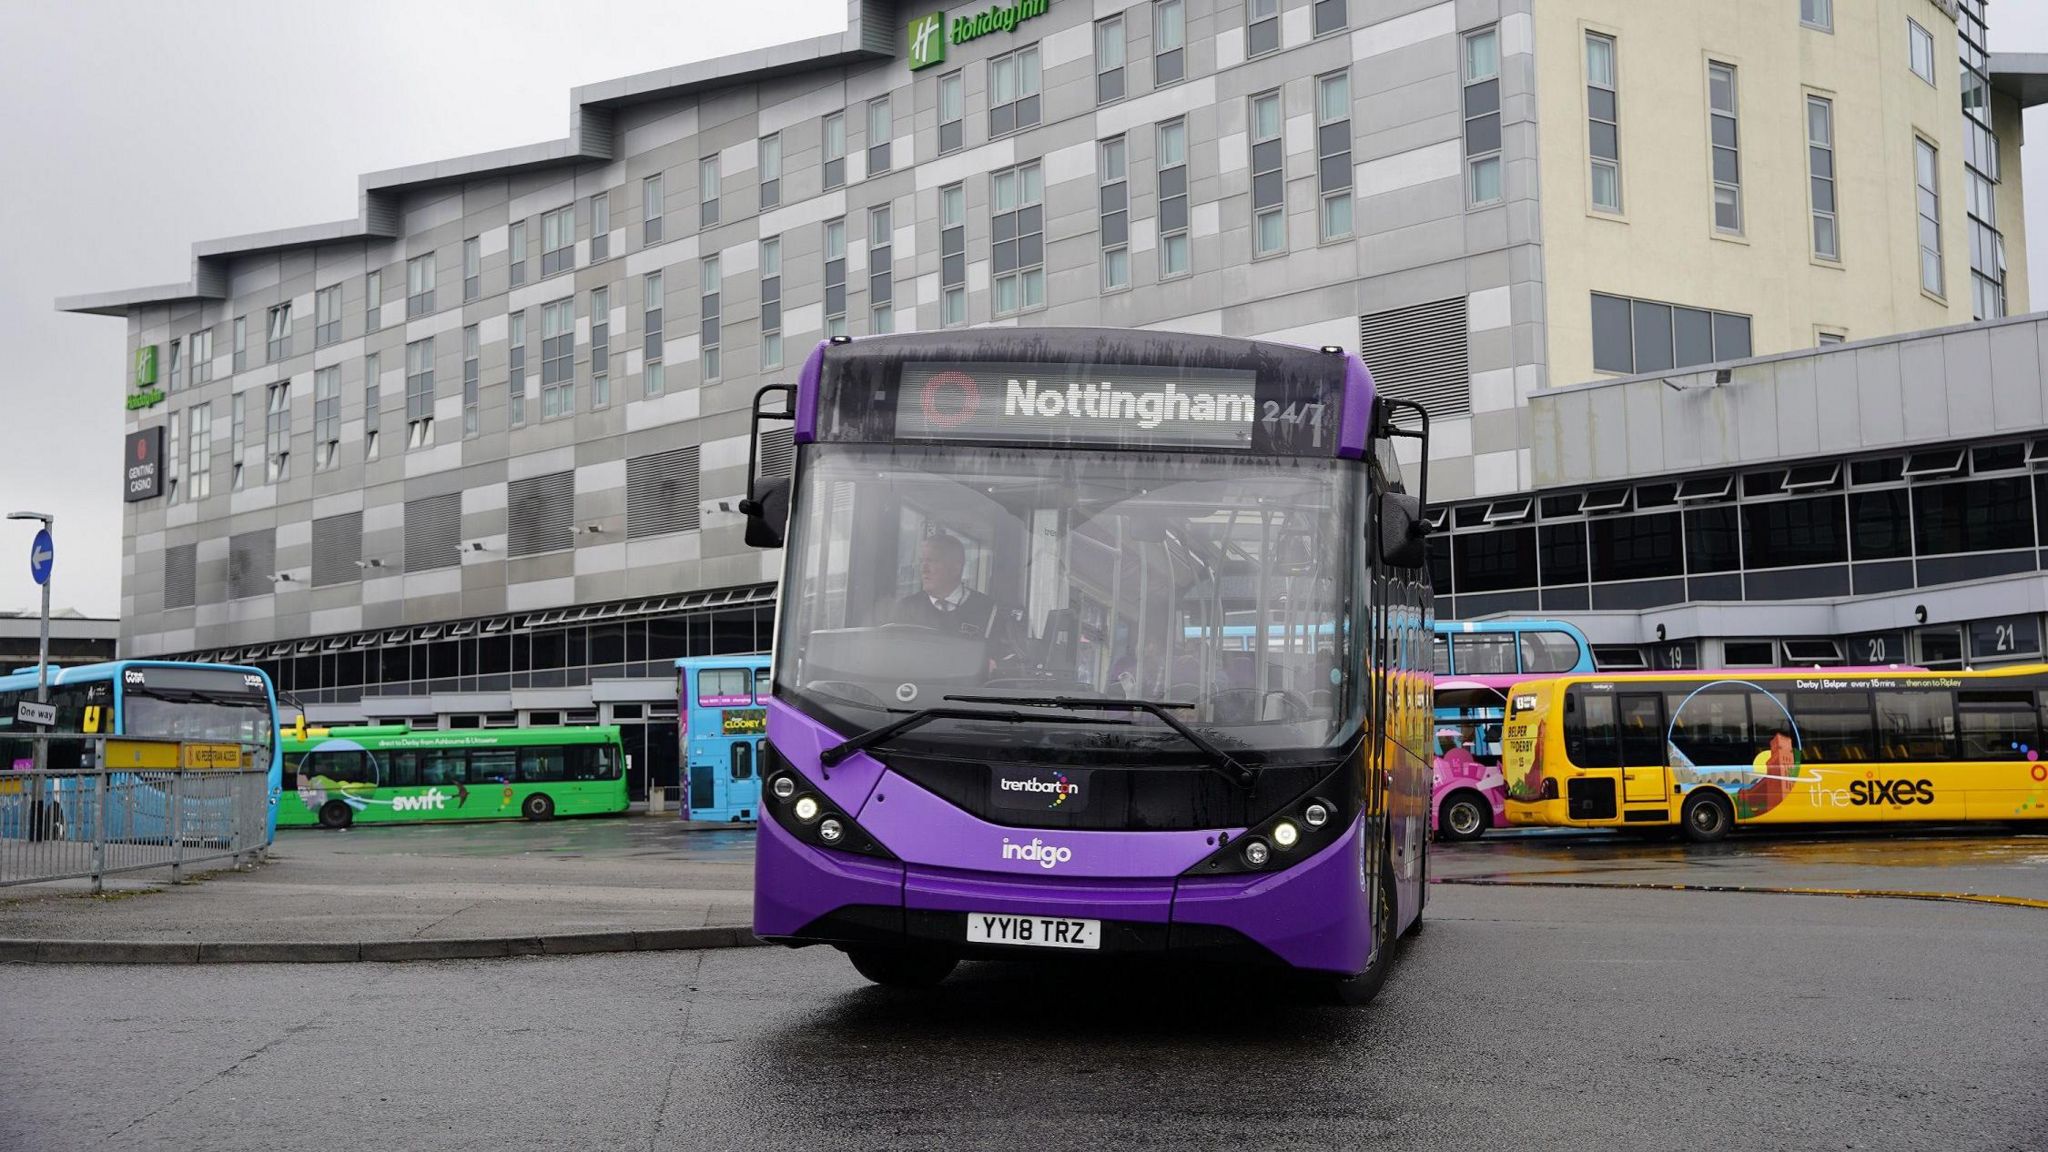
{"x":1712,"y":729}
{"x":1441,"y":651}
{"x":762,"y":688}
{"x":1548,"y":652}
{"x":440,"y":768}
{"x":343,"y":766}
{"x":542,"y":766}
{"x":1997,"y":725}
{"x":493,"y":766}
{"x":1916,"y":725}
{"x":1834,"y":727}
{"x":1590,"y":738}
{"x":401,"y":769}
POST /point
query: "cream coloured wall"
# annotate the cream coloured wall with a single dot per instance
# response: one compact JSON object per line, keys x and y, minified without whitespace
{"x":1663,"y":246}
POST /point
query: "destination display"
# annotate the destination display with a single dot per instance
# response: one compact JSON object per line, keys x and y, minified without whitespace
{"x":1121,"y":405}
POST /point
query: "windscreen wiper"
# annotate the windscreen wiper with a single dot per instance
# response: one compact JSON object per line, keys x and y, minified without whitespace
{"x":1219,"y":760}
{"x":873,"y":736}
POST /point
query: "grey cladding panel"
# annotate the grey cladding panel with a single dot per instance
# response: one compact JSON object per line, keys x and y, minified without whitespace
{"x":1418,"y":353}
{"x":539,"y":514}
{"x":661,"y":493}
{"x":180,"y":560}
{"x":337,"y":545}
{"x":252,"y":560}
{"x":433,"y":532}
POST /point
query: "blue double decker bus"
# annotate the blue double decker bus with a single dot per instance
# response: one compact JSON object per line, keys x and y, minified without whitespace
{"x":153,"y":699}
{"x":721,"y":701}
{"x":1013,"y":713}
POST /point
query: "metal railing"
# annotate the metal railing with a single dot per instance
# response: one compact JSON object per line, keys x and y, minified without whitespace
{"x":137,"y":805}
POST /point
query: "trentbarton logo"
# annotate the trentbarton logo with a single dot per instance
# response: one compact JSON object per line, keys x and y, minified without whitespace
{"x":1057,"y":790}
{"x":1038,"y":852}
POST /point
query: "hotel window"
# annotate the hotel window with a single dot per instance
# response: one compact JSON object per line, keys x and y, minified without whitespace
{"x":1333,"y":153}
{"x":881,"y":126}
{"x":1109,"y":60}
{"x":557,"y":241}
{"x":1114,"y":210}
{"x":655,"y":380}
{"x":176,"y":375}
{"x":1262,"y":27}
{"x":1330,"y":16}
{"x":472,"y":269}
{"x":199,"y":458}
{"x":600,"y":227}
{"x":1170,"y":159}
{"x":326,"y":418}
{"x":770,"y":164}
{"x":238,"y":426}
{"x":1920,"y":50}
{"x":600,"y":348}
{"x":419,"y":393}
{"x":953,"y":254}
{"x":1013,"y":92}
{"x":771,"y":302}
{"x":1928,"y":194}
{"x":1169,"y":42}
{"x":373,"y":302}
{"x":709,"y":281}
{"x":280,"y":332}
{"x":650,"y":210}
{"x":1820,"y":170}
{"x":835,"y":151}
{"x":472,"y":382}
{"x":174,"y":458}
{"x":515,"y":367}
{"x":835,"y":278}
{"x":515,"y":251}
{"x":881,"y":270}
{"x":200,"y":344}
{"x":1269,"y":176}
{"x":326,"y":316}
{"x":241,"y":342}
{"x":1631,"y":336}
{"x":558,"y":358}
{"x":951,"y":108}
{"x":1818,"y":14}
{"x":419,"y":286}
{"x":1482,"y":117}
{"x":373,"y":401}
{"x":1603,"y":123}
{"x":707,"y":192}
{"x":1727,"y":157}
{"x":277,"y":432}
{"x":1017,"y":229}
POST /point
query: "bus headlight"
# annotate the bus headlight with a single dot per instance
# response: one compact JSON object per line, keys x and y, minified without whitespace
{"x":1295,"y":832}
{"x":1256,"y":854}
{"x":785,"y":787}
{"x":807,"y":809}
{"x":830,"y":830}
{"x":1316,"y":816}
{"x":792,"y":803}
{"x":1285,"y":835}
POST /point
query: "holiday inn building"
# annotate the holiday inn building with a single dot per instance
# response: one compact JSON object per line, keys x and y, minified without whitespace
{"x":1718,"y":306}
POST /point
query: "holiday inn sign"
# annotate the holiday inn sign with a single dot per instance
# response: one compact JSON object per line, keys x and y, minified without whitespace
{"x":930,"y":34}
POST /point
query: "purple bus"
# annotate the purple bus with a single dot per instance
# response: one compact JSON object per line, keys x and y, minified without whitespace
{"x":1005,"y":720}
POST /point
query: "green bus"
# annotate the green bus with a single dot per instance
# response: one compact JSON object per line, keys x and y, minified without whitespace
{"x":391,"y":774}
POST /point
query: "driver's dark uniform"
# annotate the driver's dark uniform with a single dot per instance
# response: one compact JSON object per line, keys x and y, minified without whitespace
{"x":964,"y":612}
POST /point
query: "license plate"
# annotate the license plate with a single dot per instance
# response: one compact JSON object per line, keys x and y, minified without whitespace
{"x":1034,"y":931}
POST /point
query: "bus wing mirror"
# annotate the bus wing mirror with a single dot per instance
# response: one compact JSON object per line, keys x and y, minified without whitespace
{"x":767,"y":512}
{"x":1403,"y":533}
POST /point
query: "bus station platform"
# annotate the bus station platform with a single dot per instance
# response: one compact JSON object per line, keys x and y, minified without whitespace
{"x":451,"y":891}
{"x":648,"y":883}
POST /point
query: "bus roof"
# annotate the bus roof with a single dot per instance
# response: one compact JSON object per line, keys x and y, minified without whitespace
{"x":731,"y":660}
{"x":1847,"y":677}
{"x":108,"y":670}
{"x":1513,"y":624}
{"x":373,"y":738}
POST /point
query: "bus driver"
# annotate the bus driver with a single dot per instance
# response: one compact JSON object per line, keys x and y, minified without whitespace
{"x":941,"y":600}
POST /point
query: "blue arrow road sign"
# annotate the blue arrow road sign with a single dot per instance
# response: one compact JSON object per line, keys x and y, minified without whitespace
{"x":40,"y":556}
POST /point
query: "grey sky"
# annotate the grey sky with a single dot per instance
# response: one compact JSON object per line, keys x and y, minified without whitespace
{"x":118,"y":157}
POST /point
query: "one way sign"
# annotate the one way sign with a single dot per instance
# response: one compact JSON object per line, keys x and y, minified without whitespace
{"x":30,"y":712}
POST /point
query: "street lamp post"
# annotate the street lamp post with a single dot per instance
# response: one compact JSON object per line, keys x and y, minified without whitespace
{"x":39,"y":564}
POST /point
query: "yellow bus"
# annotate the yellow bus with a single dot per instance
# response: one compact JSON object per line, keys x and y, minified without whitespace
{"x":1707,"y":751}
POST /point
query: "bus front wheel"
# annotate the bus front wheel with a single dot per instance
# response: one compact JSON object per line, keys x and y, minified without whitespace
{"x":1465,"y":815}
{"x":538,"y":807}
{"x":335,"y":814}
{"x":1359,"y":990}
{"x":1706,"y":817}
{"x":903,"y":967}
